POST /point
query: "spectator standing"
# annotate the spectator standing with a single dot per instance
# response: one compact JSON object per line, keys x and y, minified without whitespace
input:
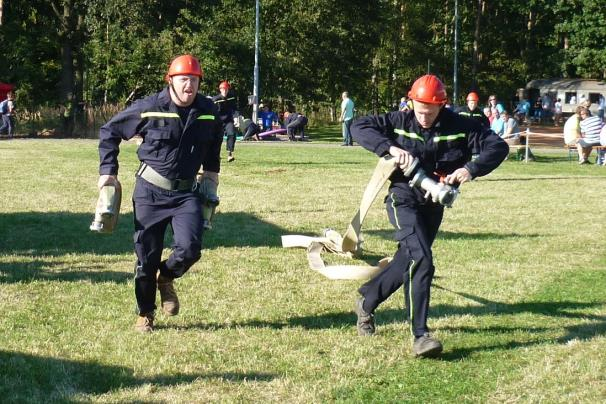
{"x":268,"y":118}
{"x":573,"y":100}
{"x":7,"y":107}
{"x":522,"y":111}
{"x":347,"y":114}
{"x":537,"y":110}
{"x":546,"y":107}
{"x":557,"y":109}
{"x":603,"y":141}
{"x":226,"y":105}
{"x":590,"y":136}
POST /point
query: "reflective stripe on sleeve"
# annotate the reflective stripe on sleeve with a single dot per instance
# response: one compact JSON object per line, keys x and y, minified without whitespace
{"x":159,"y":115}
{"x":207,"y":117}
{"x":448,"y":137}
{"x":411,"y":135}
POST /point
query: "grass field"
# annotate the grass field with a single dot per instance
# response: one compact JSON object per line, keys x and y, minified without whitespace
{"x":519,"y":298}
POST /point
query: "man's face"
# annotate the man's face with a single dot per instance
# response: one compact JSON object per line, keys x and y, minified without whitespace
{"x":472,"y":104}
{"x":425,"y":113}
{"x":223,"y":91}
{"x":185,"y":88}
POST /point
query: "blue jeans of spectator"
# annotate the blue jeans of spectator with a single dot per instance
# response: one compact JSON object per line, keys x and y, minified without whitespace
{"x":8,"y":125}
{"x":347,"y":133}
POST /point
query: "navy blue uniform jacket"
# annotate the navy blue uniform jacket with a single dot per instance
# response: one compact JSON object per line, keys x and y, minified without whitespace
{"x":176,"y":150}
{"x":476,"y":114}
{"x":226,"y":107}
{"x":441,"y":149}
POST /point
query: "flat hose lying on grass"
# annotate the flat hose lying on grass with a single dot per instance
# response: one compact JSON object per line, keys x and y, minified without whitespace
{"x":351,"y":242}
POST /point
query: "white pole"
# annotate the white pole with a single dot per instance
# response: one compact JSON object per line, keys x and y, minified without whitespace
{"x":256,"y":70}
{"x":455,"y":95}
{"x":527,"y":145}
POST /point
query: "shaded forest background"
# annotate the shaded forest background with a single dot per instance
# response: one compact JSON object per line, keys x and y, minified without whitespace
{"x":89,"y":52}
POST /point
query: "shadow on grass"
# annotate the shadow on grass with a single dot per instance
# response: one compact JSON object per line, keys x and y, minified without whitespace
{"x":59,"y":233}
{"x":449,"y":235}
{"x":29,"y":378}
{"x":572,"y":177}
{"x":559,"y":309}
{"x":43,"y":270}
{"x":36,"y":237}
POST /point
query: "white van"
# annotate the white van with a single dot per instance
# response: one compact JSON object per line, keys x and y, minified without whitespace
{"x":571,"y":92}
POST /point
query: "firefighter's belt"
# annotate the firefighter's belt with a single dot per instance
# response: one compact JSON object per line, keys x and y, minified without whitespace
{"x":351,"y":242}
{"x":150,"y":175}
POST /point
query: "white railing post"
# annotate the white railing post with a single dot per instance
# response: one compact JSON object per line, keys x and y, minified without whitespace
{"x":527,"y":145}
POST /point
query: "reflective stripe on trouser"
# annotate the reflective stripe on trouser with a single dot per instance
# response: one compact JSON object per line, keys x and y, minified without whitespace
{"x":230,"y":131}
{"x":154,"y":210}
{"x":412,"y":265}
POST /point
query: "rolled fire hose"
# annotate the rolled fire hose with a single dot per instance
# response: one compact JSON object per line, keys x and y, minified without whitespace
{"x":351,"y":242}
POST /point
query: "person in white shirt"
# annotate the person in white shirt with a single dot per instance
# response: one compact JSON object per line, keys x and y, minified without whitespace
{"x":590,"y":136}
{"x":347,"y":114}
{"x":557,"y":109}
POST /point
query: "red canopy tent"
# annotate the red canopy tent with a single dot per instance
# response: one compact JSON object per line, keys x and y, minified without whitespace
{"x":5,"y":88}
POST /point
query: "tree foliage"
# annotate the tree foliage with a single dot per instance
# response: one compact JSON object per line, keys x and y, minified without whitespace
{"x":58,"y":51}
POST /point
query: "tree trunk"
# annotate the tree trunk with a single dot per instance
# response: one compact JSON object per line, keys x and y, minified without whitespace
{"x":476,"y":42}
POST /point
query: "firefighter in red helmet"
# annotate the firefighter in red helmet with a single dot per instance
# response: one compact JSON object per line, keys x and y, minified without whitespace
{"x":472,"y":111}
{"x":228,"y":110}
{"x":440,"y":142}
{"x":176,"y":180}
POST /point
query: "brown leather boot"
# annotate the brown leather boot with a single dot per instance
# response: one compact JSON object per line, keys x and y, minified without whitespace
{"x":145,"y":322}
{"x":168,"y":296}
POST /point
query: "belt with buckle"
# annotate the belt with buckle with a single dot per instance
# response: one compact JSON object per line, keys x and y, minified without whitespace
{"x":150,"y":175}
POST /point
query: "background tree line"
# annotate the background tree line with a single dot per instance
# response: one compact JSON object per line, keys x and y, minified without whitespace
{"x":72,"y":51}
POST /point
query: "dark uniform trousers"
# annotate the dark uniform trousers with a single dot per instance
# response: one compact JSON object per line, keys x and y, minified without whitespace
{"x":230,"y":131}
{"x":154,"y":209}
{"x":416,"y":229}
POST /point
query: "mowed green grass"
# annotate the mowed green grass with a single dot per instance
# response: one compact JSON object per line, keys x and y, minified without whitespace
{"x":519,"y":298}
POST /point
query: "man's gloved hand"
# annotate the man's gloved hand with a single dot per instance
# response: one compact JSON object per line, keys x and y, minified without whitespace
{"x":207,"y":188}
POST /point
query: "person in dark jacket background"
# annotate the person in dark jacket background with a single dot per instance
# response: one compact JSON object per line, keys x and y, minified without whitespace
{"x":180,"y":161}
{"x":443,"y":143}
{"x":226,"y":105}
{"x":295,"y":122}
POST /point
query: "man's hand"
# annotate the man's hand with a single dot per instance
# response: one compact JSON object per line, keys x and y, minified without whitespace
{"x":459,"y":176}
{"x":403,"y":158}
{"x":106,"y":180}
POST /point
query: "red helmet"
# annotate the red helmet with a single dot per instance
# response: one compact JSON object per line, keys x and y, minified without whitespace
{"x":185,"y":64}
{"x":225,"y":85}
{"x":428,"y":89}
{"x":473,"y":96}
